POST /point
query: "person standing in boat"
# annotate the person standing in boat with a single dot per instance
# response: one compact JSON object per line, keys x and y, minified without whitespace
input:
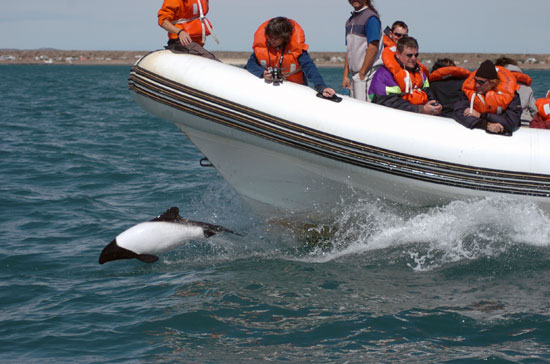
{"x":489,"y":101}
{"x":525,"y":91}
{"x":446,"y":81}
{"x":187,"y":26}
{"x":363,"y":32}
{"x":279,"y":48}
{"x":402,"y":83}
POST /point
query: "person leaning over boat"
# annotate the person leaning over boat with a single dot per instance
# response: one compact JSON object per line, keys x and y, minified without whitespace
{"x":489,"y":100}
{"x":542,"y":118}
{"x":401,"y":83}
{"x":187,"y":26}
{"x":525,"y":91}
{"x":279,"y":43}
{"x":446,"y":81}
{"x":362,"y":41}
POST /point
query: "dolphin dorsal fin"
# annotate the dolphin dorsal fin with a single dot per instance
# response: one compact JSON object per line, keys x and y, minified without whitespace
{"x":170,"y":215}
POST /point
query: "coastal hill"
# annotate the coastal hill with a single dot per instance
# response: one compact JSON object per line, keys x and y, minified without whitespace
{"x":322,"y":59}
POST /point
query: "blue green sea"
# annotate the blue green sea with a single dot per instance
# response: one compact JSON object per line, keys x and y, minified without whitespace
{"x":80,"y":162}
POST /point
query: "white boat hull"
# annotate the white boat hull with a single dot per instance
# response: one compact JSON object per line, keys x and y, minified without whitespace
{"x":283,"y":148}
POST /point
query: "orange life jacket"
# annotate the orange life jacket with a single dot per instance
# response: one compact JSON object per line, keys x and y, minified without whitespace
{"x":543,"y":106}
{"x":450,"y":71}
{"x":410,"y":83}
{"x":494,"y":101}
{"x":188,"y":15}
{"x":523,"y":78}
{"x":271,"y":57}
{"x":388,"y":42}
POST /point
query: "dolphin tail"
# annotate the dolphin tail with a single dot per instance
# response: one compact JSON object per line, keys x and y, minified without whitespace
{"x":113,"y":252}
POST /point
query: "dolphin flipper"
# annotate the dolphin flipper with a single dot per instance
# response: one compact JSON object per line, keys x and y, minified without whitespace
{"x":114,"y":252}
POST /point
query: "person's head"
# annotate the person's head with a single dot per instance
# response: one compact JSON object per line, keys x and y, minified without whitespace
{"x":398,"y":30}
{"x":486,"y":77}
{"x":443,"y":62}
{"x":505,"y":61}
{"x":278,"y":31}
{"x":407,"y":52}
{"x":360,"y":4}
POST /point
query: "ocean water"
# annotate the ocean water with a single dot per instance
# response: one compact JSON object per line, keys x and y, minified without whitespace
{"x":80,"y":162}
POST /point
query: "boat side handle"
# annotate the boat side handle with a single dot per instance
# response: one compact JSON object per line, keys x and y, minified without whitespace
{"x":334,"y":97}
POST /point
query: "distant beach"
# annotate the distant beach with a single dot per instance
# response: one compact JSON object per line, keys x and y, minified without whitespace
{"x":322,"y":59}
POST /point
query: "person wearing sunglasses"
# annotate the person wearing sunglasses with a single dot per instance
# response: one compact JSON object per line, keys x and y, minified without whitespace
{"x":362,"y":41}
{"x":489,"y":101}
{"x":402,"y":83}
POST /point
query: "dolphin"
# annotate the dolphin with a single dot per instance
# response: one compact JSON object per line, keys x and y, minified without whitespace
{"x":163,"y":233}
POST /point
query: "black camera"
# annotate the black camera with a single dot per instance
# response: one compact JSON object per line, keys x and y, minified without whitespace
{"x":277,"y":76}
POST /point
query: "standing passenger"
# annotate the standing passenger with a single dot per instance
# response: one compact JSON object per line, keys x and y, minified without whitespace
{"x":187,"y":26}
{"x":525,"y":91}
{"x":489,"y":101}
{"x":362,"y":40}
{"x":279,"y":47}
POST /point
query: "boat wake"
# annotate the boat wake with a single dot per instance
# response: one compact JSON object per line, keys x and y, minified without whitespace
{"x":462,"y":230}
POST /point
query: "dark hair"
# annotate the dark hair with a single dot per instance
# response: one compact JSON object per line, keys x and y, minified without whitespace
{"x":371,"y":6}
{"x":399,"y":23}
{"x":279,"y":27}
{"x":443,"y":62}
{"x":505,"y":61}
{"x":406,"y":42}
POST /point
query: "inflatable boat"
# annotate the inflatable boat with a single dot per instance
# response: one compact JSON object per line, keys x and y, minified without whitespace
{"x":283,"y":148}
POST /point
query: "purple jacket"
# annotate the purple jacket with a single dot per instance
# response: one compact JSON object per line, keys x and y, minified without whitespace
{"x":384,"y":90}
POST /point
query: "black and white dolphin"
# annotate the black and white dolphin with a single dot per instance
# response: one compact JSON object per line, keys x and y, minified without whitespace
{"x":163,"y":233}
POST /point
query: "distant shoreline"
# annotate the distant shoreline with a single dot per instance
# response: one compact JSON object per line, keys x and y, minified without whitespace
{"x":322,"y":59}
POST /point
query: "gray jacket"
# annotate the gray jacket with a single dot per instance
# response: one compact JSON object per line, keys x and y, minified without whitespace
{"x":526,"y":96}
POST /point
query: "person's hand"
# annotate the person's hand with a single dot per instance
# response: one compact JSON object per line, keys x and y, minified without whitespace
{"x":432,"y":107}
{"x":471,"y":112}
{"x":268,"y":76}
{"x":362,"y":76}
{"x":495,"y":127}
{"x":328,"y":92}
{"x":184,"y":37}
{"x":345,"y":82}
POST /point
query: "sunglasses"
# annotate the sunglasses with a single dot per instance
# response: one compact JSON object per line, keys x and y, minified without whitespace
{"x":399,"y":35}
{"x":410,"y":55}
{"x":481,"y":82}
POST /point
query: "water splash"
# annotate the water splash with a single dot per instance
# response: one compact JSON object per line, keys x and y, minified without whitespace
{"x":428,"y":239}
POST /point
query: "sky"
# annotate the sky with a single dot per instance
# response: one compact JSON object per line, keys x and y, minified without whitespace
{"x":480,"y":26}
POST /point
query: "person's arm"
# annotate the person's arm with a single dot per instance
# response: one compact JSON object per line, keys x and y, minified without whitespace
{"x":311,"y":72}
{"x":183,"y":36}
{"x":510,"y":119}
{"x":372,"y":31}
{"x":467,"y":120}
{"x":254,"y":67}
{"x":166,"y":14}
{"x":345,"y":78}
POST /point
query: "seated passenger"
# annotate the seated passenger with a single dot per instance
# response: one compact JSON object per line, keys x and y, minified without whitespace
{"x":489,"y":100}
{"x":525,"y":91}
{"x":279,"y":43}
{"x":446,"y":82}
{"x":391,"y":36}
{"x":542,"y":118}
{"x":401,"y":83}
{"x":187,"y":26}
